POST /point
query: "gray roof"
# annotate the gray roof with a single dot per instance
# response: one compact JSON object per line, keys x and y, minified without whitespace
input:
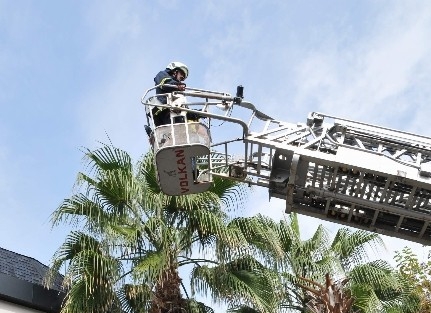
{"x":25,"y":268}
{"x":21,"y":282}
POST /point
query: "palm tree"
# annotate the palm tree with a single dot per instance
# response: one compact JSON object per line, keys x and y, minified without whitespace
{"x":132,"y":239}
{"x":294,"y":275}
{"x":303,"y":266}
{"x":362,"y":285}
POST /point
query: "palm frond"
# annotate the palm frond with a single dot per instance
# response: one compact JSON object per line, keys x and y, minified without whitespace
{"x":193,"y":306}
{"x":108,"y":158}
{"x":365,"y":299}
{"x":377,"y":287}
{"x":257,"y":234}
{"x":147,"y":169}
{"x":135,"y":298}
{"x":243,"y":309}
{"x":91,"y":274}
{"x":231,"y":193}
{"x":110,"y":196}
{"x":241,"y":281}
{"x":101,"y":300}
{"x":76,"y":209}
{"x":351,"y":246}
{"x":150,"y":266}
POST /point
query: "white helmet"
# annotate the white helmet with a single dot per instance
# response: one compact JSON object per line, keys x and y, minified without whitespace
{"x":178,"y":65}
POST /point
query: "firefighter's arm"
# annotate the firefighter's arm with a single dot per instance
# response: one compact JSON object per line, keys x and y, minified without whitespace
{"x":164,"y":79}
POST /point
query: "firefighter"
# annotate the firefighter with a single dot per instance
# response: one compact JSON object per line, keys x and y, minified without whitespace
{"x":174,"y":74}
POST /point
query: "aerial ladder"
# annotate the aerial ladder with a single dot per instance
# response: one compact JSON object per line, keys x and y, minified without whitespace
{"x":344,"y":171}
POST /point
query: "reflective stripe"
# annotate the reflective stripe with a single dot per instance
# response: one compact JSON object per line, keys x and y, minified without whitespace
{"x":158,"y":111}
{"x":163,"y":81}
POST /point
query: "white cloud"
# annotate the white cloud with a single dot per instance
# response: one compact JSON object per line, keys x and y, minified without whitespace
{"x":369,"y":80}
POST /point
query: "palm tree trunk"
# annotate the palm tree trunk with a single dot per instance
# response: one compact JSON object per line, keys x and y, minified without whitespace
{"x":167,"y":294}
{"x":328,"y":298}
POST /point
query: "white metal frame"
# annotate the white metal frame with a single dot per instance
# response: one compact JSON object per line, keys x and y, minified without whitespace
{"x":348,"y":172}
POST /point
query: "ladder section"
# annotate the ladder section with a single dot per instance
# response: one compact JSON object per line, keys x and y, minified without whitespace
{"x":329,"y":137}
{"x":351,"y":173}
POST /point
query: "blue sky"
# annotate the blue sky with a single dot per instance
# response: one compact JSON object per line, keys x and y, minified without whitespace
{"x":73,"y":72}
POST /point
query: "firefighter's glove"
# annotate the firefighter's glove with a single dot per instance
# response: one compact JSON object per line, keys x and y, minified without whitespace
{"x":181,"y":86}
